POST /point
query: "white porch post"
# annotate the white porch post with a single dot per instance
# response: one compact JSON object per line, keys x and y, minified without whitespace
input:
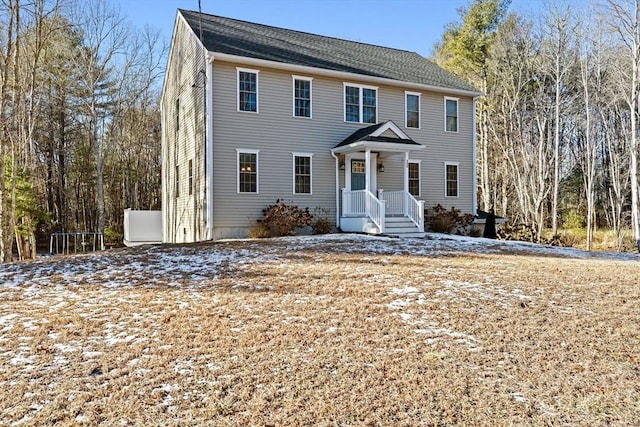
{"x":406,"y":172}
{"x":367,"y":163}
{"x":405,"y":201}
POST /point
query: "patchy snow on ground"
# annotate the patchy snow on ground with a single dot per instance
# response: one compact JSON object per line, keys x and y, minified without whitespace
{"x":91,"y":288}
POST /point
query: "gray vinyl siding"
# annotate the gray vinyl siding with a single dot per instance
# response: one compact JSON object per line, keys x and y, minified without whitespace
{"x":276,"y":133}
{"x":183,"y":216}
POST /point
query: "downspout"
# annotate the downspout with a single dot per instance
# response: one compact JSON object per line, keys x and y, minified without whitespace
{"x":337,"y":188}
{"x":474,"y":180}
{"x":163,"y":170}
{"x":208,"y":199}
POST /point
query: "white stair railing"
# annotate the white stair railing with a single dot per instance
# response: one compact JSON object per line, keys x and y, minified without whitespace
{"x":403,"y":203}
{"x":364,"y":203}
{"x":415,"y":210}
{"x":375,"y":210}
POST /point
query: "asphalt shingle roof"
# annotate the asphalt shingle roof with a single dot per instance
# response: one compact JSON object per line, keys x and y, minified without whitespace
{"x":241,"y":38}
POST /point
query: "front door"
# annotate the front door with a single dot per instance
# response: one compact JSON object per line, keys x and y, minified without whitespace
{"x":358,"y":175}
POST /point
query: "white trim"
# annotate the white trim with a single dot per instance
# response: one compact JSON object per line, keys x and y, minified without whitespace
{"x":474,"y":179}
{"x":390,"y":126}
{"x":293,"y":95}
{"x":208,"y":200}
{"x":342,"y":75}
{"x":457,"y":165}
{"x":419,"y":95}
{"x":247,"y":151}
{"x":377,"y":146}
{"x":360,"y":102}
{"x":293,"y":171}
{"x":449,"y":98}
{"x":257,"y":73}
{"x":419,"y":163}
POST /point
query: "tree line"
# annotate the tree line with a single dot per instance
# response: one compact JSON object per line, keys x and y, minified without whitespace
{"x":557,"y":127}
{"x":79,"y":121}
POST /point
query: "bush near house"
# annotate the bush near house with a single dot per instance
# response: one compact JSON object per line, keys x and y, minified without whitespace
{"x":282,"y":219}
{"x":321,"y":223}
{"x":441,"y":220}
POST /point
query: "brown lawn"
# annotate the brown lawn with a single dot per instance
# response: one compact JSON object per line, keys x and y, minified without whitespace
{"x":330,"y":332}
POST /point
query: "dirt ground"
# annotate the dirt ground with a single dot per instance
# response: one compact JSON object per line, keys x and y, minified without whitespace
{"x":327,"y":332}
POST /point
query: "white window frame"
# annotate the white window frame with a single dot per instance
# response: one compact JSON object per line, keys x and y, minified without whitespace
{"x":247,"y":151}
{"x":457,"y":165}
{"x":293,"y":97}
{"x":457,"y":100}
{"x":257,"y":73}
{"x":310,"y":156}
{"x":177,"y":114}
{"x":419,"y":163}
{"x":360,"y":103}
{"x":406,"y":105}
{"x":190,"y":179}
{"x":177,"y":181}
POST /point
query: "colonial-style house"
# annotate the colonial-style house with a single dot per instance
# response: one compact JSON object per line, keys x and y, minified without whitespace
{"x":252,"y":113}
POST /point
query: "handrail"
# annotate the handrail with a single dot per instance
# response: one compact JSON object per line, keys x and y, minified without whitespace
{"x":415,"y":210}
{"x":364,"y":202}
{"x":402,"y":202}
{"x":375,"y":210}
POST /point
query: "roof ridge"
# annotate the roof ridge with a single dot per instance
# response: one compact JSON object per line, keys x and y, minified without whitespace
{"x":242,"y":38}
{"x":303,"y":32}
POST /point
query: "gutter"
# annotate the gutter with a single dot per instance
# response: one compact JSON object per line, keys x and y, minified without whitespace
{"x":338,"y":74}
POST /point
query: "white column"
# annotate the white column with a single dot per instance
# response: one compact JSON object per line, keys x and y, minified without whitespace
{"x":406,"y":172}
{"x":367,"y":165}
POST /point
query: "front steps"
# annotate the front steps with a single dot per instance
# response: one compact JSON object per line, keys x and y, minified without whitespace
{"x":395,"y":226}
{"x":401,"y":226}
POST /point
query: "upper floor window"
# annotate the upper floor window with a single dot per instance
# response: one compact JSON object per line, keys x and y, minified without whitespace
{"x":247,"y":90}
{"x":190,"y":177}
{"x":302,"y":167}
{"x":360,"y":104}
{"x":451,"y":114}
{"x":177,"y":181}
{"x":177,"y":114}
{"x":302,"y":96}
{"x":451,"y":179}
{"x":248,"y":171}
{"x":412,"y":110}
{"x":414,"y":177}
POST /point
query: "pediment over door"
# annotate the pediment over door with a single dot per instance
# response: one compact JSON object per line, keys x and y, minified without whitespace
{"x":386,"y":136}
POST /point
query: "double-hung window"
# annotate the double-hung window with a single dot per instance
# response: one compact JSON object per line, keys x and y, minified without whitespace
{"x":190,"y":177}
{"x":177,"y":181}
{"x":451,"y":179}
{"x":451,"y":114}
{"x":177,"y":114}
{"x":302,"y":171}
{"x":360,"y":104}
{"x":414,"y":177}
{"x":302,"y":96}
{"x":412,"y":110}
{"x":247,"y":90}
{"x":248,"y":171}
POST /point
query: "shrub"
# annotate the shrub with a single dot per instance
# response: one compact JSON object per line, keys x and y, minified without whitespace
{"x":282,"y":219}
{"x":321,"y":224}
{"x":112,"y":237}
{"x":573,"y":219}
{"x":258,"y":231}
{"x":441,"y":220}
